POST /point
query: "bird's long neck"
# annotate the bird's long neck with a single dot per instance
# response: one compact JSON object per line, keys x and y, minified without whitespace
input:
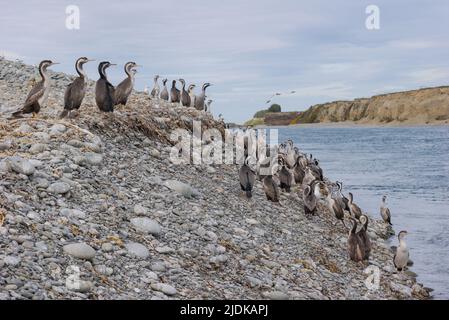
{"x":80,"y":70}
{"x":43,"y":73}
{"x":102,"y":72}
{"x":402,"y":244}
{"x":129,"y":73}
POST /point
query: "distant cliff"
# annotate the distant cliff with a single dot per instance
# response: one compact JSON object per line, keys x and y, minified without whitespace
{"x":423,"y":106}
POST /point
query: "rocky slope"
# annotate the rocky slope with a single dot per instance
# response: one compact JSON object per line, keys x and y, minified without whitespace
{"x":93,"y":208}
{"x":423,"y":106}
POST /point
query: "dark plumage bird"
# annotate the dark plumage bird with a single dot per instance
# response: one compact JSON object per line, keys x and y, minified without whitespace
{"x":309,"y":200}
{"x":124,"y":89}
{"x":199,"y":100}
{"x":353,"y":208}
{"x":271,"y":189}
{"x":164,"y":93}
{"x":335,"y":208}
{"x":298,"y":171}
{"x":104,"y":90}
{"x":363,"y":235}
{"x":316,"y":170}
{"x":341,"y":198}
{"x":355,"y":244}
{"x":75,"y":92}
{"x":38,"y":94}
{"x":285,"y":177}
{"x":247,"y":178}
{"x":185,"y":97}
{"x":174,"y":93}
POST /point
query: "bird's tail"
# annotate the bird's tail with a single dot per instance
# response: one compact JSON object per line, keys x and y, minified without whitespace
{"x":64,"y":114}
{"x":17,"y":114}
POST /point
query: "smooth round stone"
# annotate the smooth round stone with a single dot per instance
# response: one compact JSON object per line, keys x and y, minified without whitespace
{"x":182,"y":188}
{"x":107,"y":247}
{"x":75,"y":213}
{"x":22,"y":166}
{"x":59,"y":188}
{"x":94,"y":159}
{"x":11,"y":260}
{"x":158,"y":267}
{"x":140,"y":210}
{"x":37,"y":148}
{"x":80,"y":250}
{"x":276,"y":295}
{"x":137,"y":250}
{"x":79,"y":285}
{"x":146,"y":225}
{"x":164,"y":288}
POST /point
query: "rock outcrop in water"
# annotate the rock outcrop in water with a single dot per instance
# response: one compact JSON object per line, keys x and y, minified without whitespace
{"x":93,"y":208}
{"x":423,"y":106}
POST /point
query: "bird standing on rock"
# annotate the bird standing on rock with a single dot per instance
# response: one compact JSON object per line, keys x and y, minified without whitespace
{"x":247,"y":178}
{"x":207,"y":107}
{"x":164,"y":93}
{"x":354,"y":209}
{"x":39,"y":93}
{"x":75,"y":92}
{"x":285,"y":176}
{"x":185,"y":97}
{"x":309,"y":200}
{"x":363,"y":235}
{"x":385,"y":211}
{"x":124,"y":89}
{"x":191,"y":95}
{"x":104,"y":90}
{"x":156,"y":88}
{"x":401,"y":257}
{"x":355,"y":244}
{"x":344,"y":202}
{"x":174,"y":93}
{"x":270,"y":187}
{"x":199,"y":100}
{"x":335,"y":208}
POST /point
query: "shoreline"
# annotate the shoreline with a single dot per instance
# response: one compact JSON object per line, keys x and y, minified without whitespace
{"x":353,"y":125}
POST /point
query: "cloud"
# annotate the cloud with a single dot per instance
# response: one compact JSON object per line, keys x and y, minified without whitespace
{"x":9,"y":55}
{"x":248,"y":49}
{"x":429,"y":75}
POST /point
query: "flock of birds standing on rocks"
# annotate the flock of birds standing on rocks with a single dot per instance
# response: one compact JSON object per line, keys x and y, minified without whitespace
{"x":292,"y":167}
{"x":106,"y":95}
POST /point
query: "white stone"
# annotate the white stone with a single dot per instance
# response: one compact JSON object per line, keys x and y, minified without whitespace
{"x":80,"y":250}
{"x":146,"y":225}
{"x":137,"y":250}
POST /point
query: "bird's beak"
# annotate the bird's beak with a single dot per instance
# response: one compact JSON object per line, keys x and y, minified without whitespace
{"x":88,"y":60}
{"x":55,"y":63}
{"x":113,"y":64}
{"x":138,"y":65}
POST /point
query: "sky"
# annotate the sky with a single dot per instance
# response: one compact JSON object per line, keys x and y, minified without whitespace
{"x":248,"y":50}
